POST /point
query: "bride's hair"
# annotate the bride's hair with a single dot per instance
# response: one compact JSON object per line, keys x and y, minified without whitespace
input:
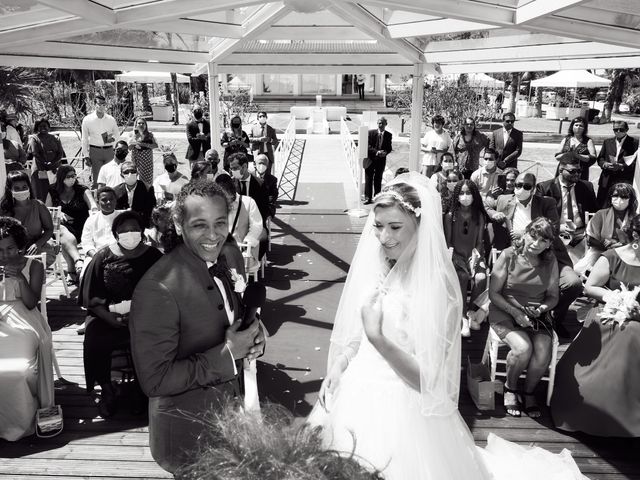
{"x":401,"y":195}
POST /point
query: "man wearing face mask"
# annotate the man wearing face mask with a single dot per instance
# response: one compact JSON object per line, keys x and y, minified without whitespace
{"x":198,"y":136}
{"x":268,"y":184}
{"x":133,"y":194}
{"x":234,"y":140}
{"x":511,"y":216}
{"x":167,"y":185}
{"x":99,"y":132}
{"x":96,"y":232}
{"x":263,"y":139}
{"x":248,"y":185}
{"x":213,"y":159}
{"x":109,"y":175}
{"x":486,"y":177}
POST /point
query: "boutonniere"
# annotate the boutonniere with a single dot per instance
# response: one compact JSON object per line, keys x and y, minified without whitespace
{"x":239,"y":284}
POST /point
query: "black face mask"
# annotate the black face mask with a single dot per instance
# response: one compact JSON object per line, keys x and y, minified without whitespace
{"x":197,"y":115}
{"x":170,"y":168}
{"x":121,"y":154}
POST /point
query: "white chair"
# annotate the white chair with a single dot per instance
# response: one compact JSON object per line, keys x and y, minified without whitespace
{"x":251,"y":266}
{"x":58,"y":270}
{"x":491,"y":351}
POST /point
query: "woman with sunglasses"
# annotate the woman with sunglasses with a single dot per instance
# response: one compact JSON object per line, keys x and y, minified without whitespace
{"x":76,"y":202}
{"x":464,"y":228}
{"x":467,"y":145}
{"x":578,"y":144}
{"x":523,"y":289}
{"x":596,"y":387}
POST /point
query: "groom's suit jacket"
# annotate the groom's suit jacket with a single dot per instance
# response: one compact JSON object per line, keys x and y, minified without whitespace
{"x":177,"y":324}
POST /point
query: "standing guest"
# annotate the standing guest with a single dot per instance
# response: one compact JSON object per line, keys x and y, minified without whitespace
{"x":184,"y":326}
{"x":97,"y":232}
{"x":507,"y":142}
{"x":75,"y":202}
{"x":360,"y":82}
{"x":19,"y":203}
{"x":439,"y":178}
{"x":15,"y":131}
{"x":26,"y":362}
{"x":486,"y":178}
{"x":99,"y":132}
{"x":134,"y":194}
{"x":464,"y":226}
{"x":141,"y":143}
{"x":167,"y":185}
{"x":378,"y":147}
{"x":605,"y":231}
{"x":234,"y":140}
{"x":15,"y":157}
{"x":617,"y":159}
{"x":263,"y":139}
{"x":434,"y":143}
{"x":110,"y":175}
{"x":47,"y":152}
{"x":247,"y":184}
{"x":198,"y":136}
{"x":467,"y":146}
{"x":268,"y":185}
{"x":523,"y":289}
{"x":597,"y":390}
{"x":578,"y":146}
{"x":106,"y":291}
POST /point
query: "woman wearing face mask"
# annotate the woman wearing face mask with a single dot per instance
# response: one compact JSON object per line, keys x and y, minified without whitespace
{"x":202,"y":170}
{"x":106,"y":291}
{"x":578,"y":144}
{"x":597,"y":389}
{"x":523,"y":289}
{"x":467,"y":145}
{"x":14,"y":155}
{"x":446,"y":192}
{"x":234,"y":140}
{"x":168,"y":184}
{"x":439,"y":179}
{"x":464,"y":227}
{"x":605,"y":231}
{"x":76,"y":202}
{"x":141,"y":144}
{"x":47,"y":152}
{"x":34,"y":216}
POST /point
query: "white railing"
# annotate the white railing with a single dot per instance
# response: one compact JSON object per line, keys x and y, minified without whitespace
{"x":282,"y":152}
{"x":351,"y":153}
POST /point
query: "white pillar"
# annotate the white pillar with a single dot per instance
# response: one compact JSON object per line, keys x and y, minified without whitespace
{"x":214,"y":106}
{"x":338,"y":84}
{"x":417,"y":96}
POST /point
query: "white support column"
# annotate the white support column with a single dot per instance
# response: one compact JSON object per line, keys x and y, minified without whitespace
{"x":338,"y":84}
{"x":214,"y":105}
{"x":417,"y":96}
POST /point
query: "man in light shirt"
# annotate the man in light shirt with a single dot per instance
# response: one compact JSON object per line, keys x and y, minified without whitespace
{"x":99,"y":132}
{"x":167,"y":185}
{"x":486,"y":177}
{"x":96,"y":232}
{"x":109,"y":175}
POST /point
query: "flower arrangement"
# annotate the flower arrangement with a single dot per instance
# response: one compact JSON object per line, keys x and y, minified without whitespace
{"x":621,"y":306}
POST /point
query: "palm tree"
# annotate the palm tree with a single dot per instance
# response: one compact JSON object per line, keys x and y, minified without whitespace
{"x":17,"y":86}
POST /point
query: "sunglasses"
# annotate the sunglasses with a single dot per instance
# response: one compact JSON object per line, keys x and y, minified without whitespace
{"x":572,"y":171}
{"x":616,"y":130}
{"x":526,"y":186}
{"x":623,"y":197}
{"x":509,"y":121}
{"x":127,"y":172}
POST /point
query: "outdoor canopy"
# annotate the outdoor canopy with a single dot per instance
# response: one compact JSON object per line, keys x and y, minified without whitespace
{"x":150,"y":77}
{"x":571,"y":79}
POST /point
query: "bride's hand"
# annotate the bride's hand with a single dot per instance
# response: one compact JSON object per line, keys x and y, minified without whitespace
{"x":329,"y":385}
{"x":372,"y":317}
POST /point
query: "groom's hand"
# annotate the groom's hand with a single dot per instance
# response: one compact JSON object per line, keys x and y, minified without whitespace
{"x":240,"y":344}
{"x":259,"y":343}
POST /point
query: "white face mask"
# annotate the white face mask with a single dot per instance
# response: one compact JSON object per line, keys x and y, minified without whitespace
{"x":69,"y":182}
{"x":252,"y":167}
{"x":619,"y":203}
{"x":522,"y":194}
{"x":262,"y":120}
{"x":4,"y":135}
{"x":129,"y":240}
{"x":465,"y":200}
{"x":261,"y":168}
{"x":447,"y":166}
{"x":130,"y":179}
{"x":489,"y":164}
{"x":237,"y":174}
{"x":21,"y":196}
{"x":210,"y":176}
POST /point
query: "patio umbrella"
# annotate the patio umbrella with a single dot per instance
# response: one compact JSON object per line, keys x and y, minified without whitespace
{"x":150,"y":77}
{"x":572,"y":79}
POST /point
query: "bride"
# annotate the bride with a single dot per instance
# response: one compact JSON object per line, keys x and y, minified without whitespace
{"x":390,"y":395}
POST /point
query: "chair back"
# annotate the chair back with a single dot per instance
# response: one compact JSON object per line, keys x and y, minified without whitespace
{"x":56,"y":218}
{"x":42,"y":257}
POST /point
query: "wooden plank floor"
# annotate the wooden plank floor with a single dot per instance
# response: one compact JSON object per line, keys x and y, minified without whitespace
{"x":91,"y":447}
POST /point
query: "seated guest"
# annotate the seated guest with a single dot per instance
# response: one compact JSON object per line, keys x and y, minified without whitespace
{"x":439,"y":178}
{"x":106,"y":291}
{"x":245,"y":221}
{"x":212,"y":157}
{"x":26,"y":381}
{"x":109,"y":175}
{"x":486,"y":178}
{"x":14,"y":155}
{"x":606,"y":228}
{"x":510,"y":175}
{"x":596,"y":388}
{"x":97,"y":231}
{"x":201,"y":170}
{"x":523,"y":289}
{"x":464,"y":226}
{"x":19,"y":203}
{"x":47,"y":152}
{"x":446,"y":191}
{"x":578,"y":146}
{"x":160,"y":225}
{"x":512,"y":214}
{"x":573,"y":198}
{"x":75,"y":202}
{"x":134,"y":194}
{"x":167,"y":185}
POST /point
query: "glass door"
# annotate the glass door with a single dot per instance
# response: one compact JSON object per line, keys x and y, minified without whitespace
{"x":348,"y":85}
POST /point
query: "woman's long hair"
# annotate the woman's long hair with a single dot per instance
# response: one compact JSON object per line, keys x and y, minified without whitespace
{"x":61,"y":174}
{"x":463,"y":132}
{"x":624,"y":190}
{"x":10,"y":227}
{"x":477,"y":207}
{"x":7,"y":205}
{"x":584,"y":123}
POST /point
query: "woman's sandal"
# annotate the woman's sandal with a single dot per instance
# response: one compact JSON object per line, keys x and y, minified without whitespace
{"x":532,"y":410}
{"x":513,"y":409}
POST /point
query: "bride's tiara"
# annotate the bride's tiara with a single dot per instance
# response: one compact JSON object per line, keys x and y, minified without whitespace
{"x":396,"y":196}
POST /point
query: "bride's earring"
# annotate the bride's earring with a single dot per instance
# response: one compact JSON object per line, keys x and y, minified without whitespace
{"x":635,"y":245}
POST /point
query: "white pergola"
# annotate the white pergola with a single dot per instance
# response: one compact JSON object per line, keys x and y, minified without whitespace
{"x":321,"y":36}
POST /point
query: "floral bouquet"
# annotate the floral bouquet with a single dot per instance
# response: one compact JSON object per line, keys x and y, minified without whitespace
{"x":621,"y":306}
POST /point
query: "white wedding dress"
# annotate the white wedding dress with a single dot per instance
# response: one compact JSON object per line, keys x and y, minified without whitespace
{"x":376,"y":415}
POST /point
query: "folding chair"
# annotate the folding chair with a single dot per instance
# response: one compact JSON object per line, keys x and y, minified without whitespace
{"x":251,"y":266}
{"x":58,"y":270}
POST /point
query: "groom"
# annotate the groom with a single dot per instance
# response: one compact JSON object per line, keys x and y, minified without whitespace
{"x":184,"y":349}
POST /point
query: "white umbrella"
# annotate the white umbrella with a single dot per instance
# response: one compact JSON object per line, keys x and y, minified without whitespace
{"x":572,"y":79}
{"x":150,"y":77}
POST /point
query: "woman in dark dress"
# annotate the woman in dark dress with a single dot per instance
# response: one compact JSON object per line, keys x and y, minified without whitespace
{"x":76,"y":202}
{"x":578,"y":144}
{"x":47,"y":152}
{"x":106,"y":291}
{"x":234,"y":140}
{"x":597,"y":387}
{"x":467,"y":146}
